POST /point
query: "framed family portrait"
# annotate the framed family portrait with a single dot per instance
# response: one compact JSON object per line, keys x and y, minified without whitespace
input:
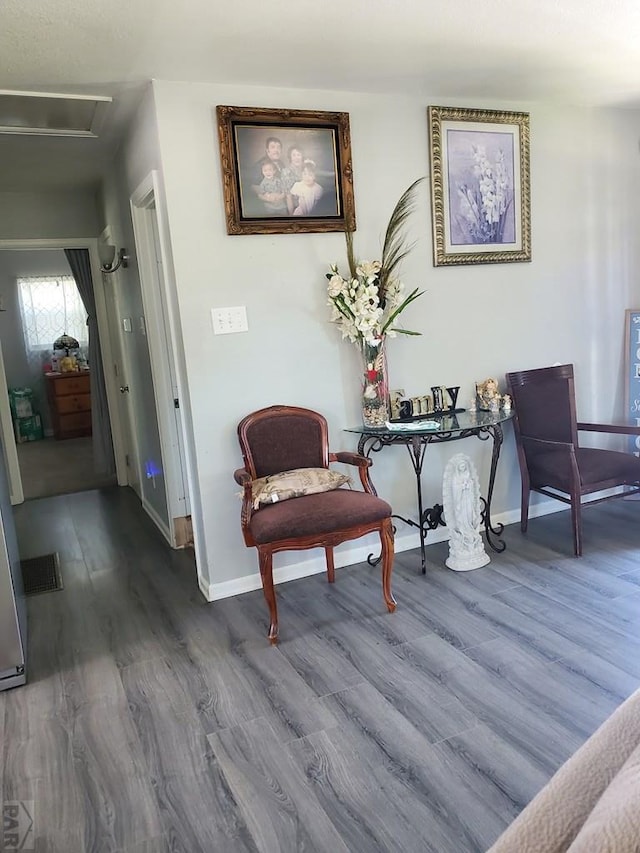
{"x":480,"y":195}
{"x":286,"y":171}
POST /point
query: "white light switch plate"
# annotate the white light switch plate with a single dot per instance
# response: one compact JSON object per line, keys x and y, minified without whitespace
{"x":228,"y":321}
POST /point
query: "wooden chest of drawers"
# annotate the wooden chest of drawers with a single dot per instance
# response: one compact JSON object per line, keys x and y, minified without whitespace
{"x":69,"y":397}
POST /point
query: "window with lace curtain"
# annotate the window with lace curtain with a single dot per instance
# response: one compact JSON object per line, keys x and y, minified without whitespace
{"x":50,"y":306}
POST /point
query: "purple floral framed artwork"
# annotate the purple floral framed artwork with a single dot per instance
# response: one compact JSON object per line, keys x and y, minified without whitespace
{"x":480,"y":195}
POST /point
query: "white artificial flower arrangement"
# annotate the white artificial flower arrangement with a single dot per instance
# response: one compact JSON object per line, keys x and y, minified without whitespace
{"x":366,"y":305}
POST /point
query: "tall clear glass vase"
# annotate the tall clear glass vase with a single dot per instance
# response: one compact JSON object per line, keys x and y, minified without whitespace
{"x":375,"y":384}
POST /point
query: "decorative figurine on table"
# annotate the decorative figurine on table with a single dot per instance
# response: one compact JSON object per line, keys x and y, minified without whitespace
{"x":488,"y":395}
{"x":68,"y":364}
{"x":461,"y":499}
{"x":506,"y":403}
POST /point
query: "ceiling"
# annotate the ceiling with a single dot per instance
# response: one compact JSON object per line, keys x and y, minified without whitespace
{"x":567,"y":51}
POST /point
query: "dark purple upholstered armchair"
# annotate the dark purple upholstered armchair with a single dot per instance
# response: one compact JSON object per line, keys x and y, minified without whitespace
{"x":283,"y":438}
{"x":551,"y":461}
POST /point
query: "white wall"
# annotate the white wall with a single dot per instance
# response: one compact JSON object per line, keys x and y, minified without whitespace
{"x":567,"y":305}
{"x":26,"y":215}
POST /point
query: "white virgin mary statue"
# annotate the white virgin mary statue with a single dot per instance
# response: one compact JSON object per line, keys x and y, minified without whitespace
{"x":461,"y":499}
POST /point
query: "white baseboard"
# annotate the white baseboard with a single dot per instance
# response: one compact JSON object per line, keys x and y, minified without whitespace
{"x":205,"y":587}
{"x":546,"y":507}
{"x":354,"y":552}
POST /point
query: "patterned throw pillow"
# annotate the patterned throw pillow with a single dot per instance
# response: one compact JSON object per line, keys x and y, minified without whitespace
{"x":295,"y":484}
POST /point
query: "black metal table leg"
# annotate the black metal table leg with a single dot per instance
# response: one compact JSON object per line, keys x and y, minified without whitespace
{"x":490,"y":530}
{"x":428,"y":519}
{"x":482,"y":425}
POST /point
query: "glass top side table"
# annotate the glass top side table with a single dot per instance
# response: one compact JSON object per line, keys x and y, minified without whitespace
{"x":416,"y":435}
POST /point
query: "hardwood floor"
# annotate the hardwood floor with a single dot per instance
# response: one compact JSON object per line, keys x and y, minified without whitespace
{"x":50,"y":467}
{"x":155,"y":722}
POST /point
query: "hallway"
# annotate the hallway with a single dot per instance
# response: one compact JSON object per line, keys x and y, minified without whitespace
{"x":51,"y":467}
{"x":155,"y":722}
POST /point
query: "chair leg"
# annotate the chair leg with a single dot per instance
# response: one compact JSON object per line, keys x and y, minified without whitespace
{"x":524,"y":507}
{"x":331,"y":569}
{"x":266,"y":573}
{"x":576,"y":519}
{"x":386,"y":540}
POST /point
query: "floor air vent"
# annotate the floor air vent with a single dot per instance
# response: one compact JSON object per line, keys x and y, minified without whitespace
{"x":41,"y":574}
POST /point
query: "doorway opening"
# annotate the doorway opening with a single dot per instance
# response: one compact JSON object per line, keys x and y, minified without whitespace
{"x":51,"y":414}
{"x":47,"y":404}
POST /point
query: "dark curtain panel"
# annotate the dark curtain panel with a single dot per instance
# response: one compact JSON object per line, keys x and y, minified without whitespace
{"x":102,"y":444}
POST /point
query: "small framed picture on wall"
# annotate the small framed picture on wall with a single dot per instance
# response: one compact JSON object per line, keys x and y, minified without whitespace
{"x":285,"y":171}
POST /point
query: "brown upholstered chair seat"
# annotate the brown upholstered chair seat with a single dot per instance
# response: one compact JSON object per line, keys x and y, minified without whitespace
{"x":553,"y":468}
{"x":315,"y":514}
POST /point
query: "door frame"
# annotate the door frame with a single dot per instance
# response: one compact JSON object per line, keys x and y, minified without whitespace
{"x":159,"y":297}
{"x":120,"y":361}
{"x":91,"y":244}
{"x":16,"y":493}
{"x":152,"y":266}
{"x":161,"y":346}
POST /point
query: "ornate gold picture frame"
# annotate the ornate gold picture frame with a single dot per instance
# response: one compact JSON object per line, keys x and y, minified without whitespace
{"x":286,"y":171}
{"x":480,"y":188}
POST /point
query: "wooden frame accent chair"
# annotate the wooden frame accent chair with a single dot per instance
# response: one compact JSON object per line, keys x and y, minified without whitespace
{"x":551,"y":459}
{"x":284,"y":438}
